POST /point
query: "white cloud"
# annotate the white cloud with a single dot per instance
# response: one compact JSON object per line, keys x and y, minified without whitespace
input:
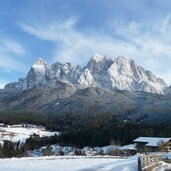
{"x":72,"y":45}
{"x":10,"y":50}
{"x":12,"y":46}
{"x":147,"y":43}
{"x":9,"y":64}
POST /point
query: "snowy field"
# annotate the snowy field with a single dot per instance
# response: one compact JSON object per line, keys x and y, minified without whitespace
{"x":17,"y":133}
{"x":69,"y":164}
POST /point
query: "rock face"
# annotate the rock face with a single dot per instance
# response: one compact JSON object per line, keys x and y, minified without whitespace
{"x":65,"y":72}
{"x":120,"y":73}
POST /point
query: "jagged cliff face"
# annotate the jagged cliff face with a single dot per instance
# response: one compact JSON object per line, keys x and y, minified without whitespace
{"x":120,"y":73}
{"x":65,"y":72}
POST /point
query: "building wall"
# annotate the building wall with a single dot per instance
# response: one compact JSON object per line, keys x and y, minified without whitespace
{"x":142,"y":148}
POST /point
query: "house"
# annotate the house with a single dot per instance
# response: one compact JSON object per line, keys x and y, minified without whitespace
{"x":153,"y":144}
{"x":111,"y":150}
{"x":128,"y":150}
{"x":114,"y":150}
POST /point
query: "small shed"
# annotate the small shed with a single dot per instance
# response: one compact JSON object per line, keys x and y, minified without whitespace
{"x":128,"y":150}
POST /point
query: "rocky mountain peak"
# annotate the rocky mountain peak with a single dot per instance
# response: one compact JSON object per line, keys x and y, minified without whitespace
{"x":37,"y":75}
{"x":120,"y":73}
{"x":123,"y":59}
{"x":99,"y":63}
{"x":97,"y":57}
{"x":40,"y":63}
{"x":125,"y":65}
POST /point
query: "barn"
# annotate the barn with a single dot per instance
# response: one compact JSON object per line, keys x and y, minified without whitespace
{"x":153,"y":144}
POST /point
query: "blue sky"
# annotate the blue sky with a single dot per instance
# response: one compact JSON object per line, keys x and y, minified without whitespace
{"x":73,"y":30}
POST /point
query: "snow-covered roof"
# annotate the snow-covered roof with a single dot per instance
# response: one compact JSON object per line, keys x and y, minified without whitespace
{"x":109,"y":148}
{"x":152,"y":141}
{"x":128,"y":147}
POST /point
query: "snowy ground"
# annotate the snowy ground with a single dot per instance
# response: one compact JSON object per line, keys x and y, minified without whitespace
{"x":69,"y":164}
{"x":15,"y":134}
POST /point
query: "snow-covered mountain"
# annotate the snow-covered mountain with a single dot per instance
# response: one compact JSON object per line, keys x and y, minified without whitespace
{"x":38,"y":75}
{"x":120,"y":73}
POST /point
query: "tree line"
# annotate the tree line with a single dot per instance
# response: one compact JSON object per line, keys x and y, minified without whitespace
{"x":89,"y":130}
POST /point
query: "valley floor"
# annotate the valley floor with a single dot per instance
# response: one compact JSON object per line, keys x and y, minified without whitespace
{"x":69,"y":164}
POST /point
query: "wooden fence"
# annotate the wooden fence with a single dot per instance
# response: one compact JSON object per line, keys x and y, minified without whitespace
{"x":147,"y":162}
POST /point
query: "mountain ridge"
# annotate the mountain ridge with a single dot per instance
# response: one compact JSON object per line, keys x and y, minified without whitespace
{"x":120,"y":73}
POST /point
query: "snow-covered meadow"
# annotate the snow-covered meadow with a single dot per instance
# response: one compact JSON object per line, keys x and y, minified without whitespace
{"x":20,"y":133}
{"x":69,"y":164}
